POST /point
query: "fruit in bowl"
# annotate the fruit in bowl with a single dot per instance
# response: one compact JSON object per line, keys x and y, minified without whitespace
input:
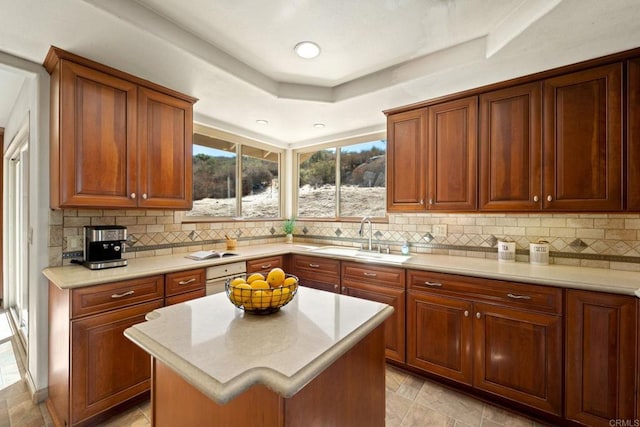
{"x":262,"y":295}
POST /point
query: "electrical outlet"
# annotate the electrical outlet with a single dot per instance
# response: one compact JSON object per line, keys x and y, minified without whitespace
{"x":439,"y":230}
{"x":74,"y":243}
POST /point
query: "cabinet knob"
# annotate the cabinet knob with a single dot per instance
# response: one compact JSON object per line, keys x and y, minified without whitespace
{"x":535,"y":198}
{"x":466,"y":313}
{"x":430,"y":201}
{"x":344,"y":289}
{"x":422,"y":201}
{"x":133,"y":195}
{"x":335,"y":287}
{"x":478,"y":315}
{"x":144,"y":196}
{"x":549,"y":198}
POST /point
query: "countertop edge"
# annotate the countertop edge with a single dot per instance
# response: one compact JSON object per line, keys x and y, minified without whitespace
{"x":285,"y":386}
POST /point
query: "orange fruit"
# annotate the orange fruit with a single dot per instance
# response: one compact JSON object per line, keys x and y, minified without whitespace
{"x":255,"y":276}
{"x":261,"y":299}
{"x":275,"y":277}
{"x":259,"y":284}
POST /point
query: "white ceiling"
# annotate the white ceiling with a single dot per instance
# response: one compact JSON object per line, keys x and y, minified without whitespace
{"x":237,"y":56}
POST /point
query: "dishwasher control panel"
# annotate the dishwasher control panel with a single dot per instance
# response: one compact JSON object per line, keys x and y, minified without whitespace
{"x":217,"y":275}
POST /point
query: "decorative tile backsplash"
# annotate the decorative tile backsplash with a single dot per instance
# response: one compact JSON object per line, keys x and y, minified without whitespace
{"x":594,"y":240}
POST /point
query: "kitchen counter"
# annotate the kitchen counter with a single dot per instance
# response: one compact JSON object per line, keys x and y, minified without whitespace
{"x":595,"y":279}
{"x":223,"y":352}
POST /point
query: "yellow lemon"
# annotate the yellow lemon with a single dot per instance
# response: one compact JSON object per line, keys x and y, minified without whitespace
{"x":275,"y":277}
{"x":261,"y":299}
{"x":241,"y":292}
{"x":280,"y":296}
{"x":237,"y":281}
{"x":290,"y":283}
{"x":255,"y":276}
{"x":259,"y":284}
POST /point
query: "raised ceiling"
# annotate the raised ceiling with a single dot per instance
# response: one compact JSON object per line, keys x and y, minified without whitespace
{"x":237,"y":56}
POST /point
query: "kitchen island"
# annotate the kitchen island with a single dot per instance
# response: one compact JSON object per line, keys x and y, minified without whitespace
{"x":317,"y":361}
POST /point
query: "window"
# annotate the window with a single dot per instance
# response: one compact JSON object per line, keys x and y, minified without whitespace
{"x":217,"y":193}
{"x":346,"y":181}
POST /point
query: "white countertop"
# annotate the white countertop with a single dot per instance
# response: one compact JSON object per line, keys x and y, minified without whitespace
{"x":223,"y":351}
{"x":596,"y":279}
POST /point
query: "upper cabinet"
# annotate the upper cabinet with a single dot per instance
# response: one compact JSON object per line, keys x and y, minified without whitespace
{"x":582,"y":140}
{"x":116,"y":141}
{"x":510,"y":148}
{"x":432,"y":156}
{"x":406,"y":159}
{"x":633,"y":135}
{"x":452,"y":159}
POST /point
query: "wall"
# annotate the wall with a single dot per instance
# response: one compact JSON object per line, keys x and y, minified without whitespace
{"x":33,"y":101}
{"x":591,"y":240}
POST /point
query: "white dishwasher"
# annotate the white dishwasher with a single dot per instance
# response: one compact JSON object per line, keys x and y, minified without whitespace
{"x":218,"y":275}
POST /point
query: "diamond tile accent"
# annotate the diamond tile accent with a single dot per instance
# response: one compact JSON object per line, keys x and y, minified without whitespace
{"x":272,"y":231}
{"x":578,"y":245}
{"x":377,"y":234}
{"x":493,"y":241}
{"x":192,"y":235}
{"x":305,"y":230}
{"x":428,"y":237}
{"x":132,"y":239}
{"x":338,"y":232}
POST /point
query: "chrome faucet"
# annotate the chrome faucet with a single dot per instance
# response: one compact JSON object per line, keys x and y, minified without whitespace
{"x":360,"y":233}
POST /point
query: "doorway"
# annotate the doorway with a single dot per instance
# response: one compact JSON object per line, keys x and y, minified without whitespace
{"x":16,"y":164}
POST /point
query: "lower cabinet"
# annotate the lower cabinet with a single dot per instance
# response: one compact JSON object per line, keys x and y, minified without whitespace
{"x":185,"y":285}
{"x":601,"y":358}
{"x":500,"y":337}
{"x":381,"y":284}
{"x":317,"y":272}
{"x":265,"y":265}
{"x":93,"y":367}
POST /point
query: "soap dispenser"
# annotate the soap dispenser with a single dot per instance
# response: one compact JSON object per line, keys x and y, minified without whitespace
{"x":405,"y":248}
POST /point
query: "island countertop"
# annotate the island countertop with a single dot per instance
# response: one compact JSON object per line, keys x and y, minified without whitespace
{"x":222,"y":351}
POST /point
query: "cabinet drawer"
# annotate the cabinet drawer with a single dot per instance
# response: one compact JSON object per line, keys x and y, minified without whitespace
{"x":187,"y":296}
{"x":372,"y":274}
{"x":231,"y":269}
{"x":264,"y":264}
{"x":94,"y":299}
{"x":316,"y":267}
{"x":532,"y":297}
{"x":184,"y":281}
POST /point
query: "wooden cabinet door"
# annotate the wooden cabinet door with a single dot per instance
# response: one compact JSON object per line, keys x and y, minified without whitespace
{"x":439,"y":335}
{"x":452,"y":155}
{"x":511,"y":149}
{"x":165,"y":148}
{"x":394,"y":326}
{"x":107,"y":368}
{"x":582,"y":140}
{"x":406,"y":157}
{"x":93,"y":150}
{"x":317,"y":272}
{"x":633,"y":135}
{"x":600,"y":357}
{"x":519,"y":355}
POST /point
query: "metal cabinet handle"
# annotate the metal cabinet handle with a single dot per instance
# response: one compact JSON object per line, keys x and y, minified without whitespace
{"x":314,"y":265}
{"x":144,"y":196}
{"x":264,"y":267}
{"x":422,"y":201}
{"x":518,"y":296}
{"x":466,"y":313}
{"x":430,"y":201}
{"x":478,"y":315}
{"x":535,"y":198}
{"x":549,"y":198}
{"x":434,"y":284}
{"x":124,"y":294}
{"x":370,"y":274}
{"x":186,"y":282}
{"x":344,"y":289}
{"x":336,"y":287}
{"x":133,"y":195}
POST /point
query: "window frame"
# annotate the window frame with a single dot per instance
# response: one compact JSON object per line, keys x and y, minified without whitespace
{"x":239,"y":142}
{"x":337,"y":145}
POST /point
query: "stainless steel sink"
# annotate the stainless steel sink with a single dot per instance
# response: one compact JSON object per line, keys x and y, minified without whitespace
{"x":357,"y":253}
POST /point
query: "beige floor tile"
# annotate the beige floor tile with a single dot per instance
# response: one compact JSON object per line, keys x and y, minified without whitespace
{"x":393,"y":378}
{"x":505,"y":418}
{"x":134,"y":417}
{"x":410,"y":387}
{"x":396,"y":409}
{"x":450,"y":403}
{"x":421,"y":416}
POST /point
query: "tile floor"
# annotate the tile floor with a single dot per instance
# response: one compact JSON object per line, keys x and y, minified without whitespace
{"x":411,"y":401}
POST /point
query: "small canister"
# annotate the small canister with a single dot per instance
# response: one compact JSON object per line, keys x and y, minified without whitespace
{"x":539,"y":252}
{"x":506,"y":250}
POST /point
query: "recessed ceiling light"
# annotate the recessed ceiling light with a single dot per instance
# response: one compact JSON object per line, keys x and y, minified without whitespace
{"x":262,"y":122}
{"x":307,"y":50}
{"x":318,"y":125}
